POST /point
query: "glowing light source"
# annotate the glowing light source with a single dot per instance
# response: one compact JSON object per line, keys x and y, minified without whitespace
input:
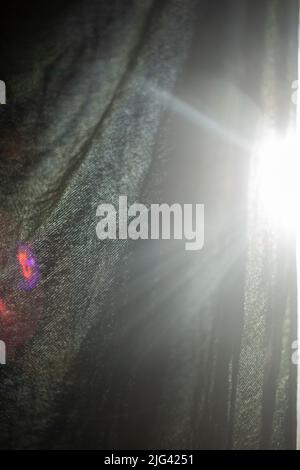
{"x":278,"y":173}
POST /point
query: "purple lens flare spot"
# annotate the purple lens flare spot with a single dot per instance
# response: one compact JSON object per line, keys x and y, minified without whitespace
{"x":30,"y":274}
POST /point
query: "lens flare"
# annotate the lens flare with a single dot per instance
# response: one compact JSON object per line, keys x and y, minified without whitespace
{"x":3,"y":308}
{"x":30,"y":273}
{"x":26,"y":264}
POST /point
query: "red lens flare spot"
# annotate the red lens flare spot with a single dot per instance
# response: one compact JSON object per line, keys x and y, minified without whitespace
{"x":21,"y":292}
{"x":26,"y":264}
{"x":3,"y":308}
{"x":29,"y":265}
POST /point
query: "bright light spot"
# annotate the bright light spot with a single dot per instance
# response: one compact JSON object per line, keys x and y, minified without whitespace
{"x":279,"y":183}
{"x":26,"y":264}
{"x":29,"y":267}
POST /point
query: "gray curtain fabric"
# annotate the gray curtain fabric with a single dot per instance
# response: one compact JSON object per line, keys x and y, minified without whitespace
{"x":127,"y":345}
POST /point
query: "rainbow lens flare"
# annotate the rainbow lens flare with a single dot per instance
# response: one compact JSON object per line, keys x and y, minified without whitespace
{"x":29,"y":267}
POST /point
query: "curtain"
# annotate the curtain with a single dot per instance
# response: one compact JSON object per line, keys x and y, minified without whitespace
{"x":128,"y":345}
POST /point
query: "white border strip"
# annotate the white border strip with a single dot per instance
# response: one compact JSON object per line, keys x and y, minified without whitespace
{"x":298,"y":259}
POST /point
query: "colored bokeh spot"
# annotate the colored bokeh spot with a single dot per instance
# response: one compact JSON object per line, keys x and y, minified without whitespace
{"x":30,"y":273}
